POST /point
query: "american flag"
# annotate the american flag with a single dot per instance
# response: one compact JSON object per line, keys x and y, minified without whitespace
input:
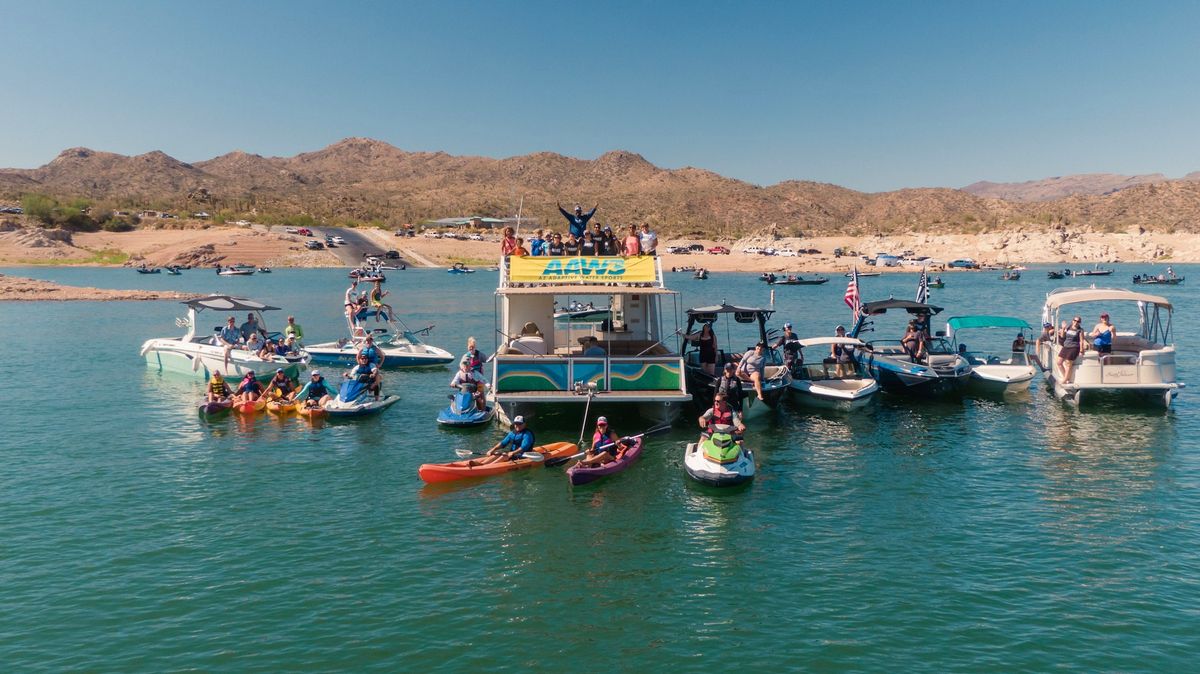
{"x":923,"y":287}
{"x":852,"y":298}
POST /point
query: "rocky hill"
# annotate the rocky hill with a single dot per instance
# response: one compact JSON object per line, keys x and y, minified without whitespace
{"x":363,"y":179}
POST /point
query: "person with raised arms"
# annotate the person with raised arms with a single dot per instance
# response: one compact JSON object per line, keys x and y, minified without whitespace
{"x":578,"y":220}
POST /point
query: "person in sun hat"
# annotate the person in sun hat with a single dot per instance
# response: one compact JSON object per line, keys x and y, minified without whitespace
{"x":518,"y":441}
{"x":606,"y":437}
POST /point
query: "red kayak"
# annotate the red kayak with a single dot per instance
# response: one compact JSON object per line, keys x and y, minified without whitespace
{"x":463,"y":470}
{"x":579,"y":474}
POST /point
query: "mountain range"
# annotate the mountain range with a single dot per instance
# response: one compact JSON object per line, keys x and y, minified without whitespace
{"x":363,"y":179}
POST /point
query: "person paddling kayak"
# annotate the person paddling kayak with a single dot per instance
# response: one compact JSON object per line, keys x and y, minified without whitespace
{"x":601,"y":437}
{"x":280,"y":385}
{"x":518,"y":441}
{"x":249,"y":389}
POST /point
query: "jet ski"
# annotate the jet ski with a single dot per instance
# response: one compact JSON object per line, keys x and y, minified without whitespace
{"x":719,"y":461}
{"x":462,"y":411}
{"x":354,"y":400}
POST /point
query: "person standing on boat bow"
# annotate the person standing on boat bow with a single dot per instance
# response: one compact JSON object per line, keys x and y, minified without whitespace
{"x":578,"y":221}
{"x":793,"y":357}
{"x":293,"y":329}
{"x":518,"y":441}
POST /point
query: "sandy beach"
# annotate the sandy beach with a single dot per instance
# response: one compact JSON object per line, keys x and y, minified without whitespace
{"x":205,"y":245}
{"x":18,"y":288}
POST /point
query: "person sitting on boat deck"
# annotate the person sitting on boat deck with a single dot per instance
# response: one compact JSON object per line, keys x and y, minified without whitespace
{"x":537,"y":245}
{"x":922,"y":324}
{"x":508,"y":243}
{"x":592,"y":348}
{"x":218,"y":390}
{"x":315,"y":392}
{"x":571,"y":245}
{"x":633,"y":243}
{"x":474,"y":357}
{"x":1103,"y":334}
{"x":377,"y":295}
{"x":841,"y":356}
{"x":520,"y":250}
{"x":249,"y":389}
{"x":285,"y":346}
{"x":1019,"y":344}
{"x":649,"y":240}
{"x":587,"y":246}
{"x":729,"y":386}
{"x":293,"y":329}
{"x":250,"y":327}
{"x":280,"y":385}
{"x":753,"y":366}
{"x":720,"y":414}
{"x":793,"y":356}
{"x":268,"y":349}
{"x":1071,"y":340}
{"x":254,"y":344}
{"x":367,"y":374}
{"x":520,"y":439}
{"x":467,"y":377}
{"x":606,"y":447}
{"x":577,"y":221}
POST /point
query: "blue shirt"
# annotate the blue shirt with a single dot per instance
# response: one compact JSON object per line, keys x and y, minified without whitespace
{"x":522,"y":440}
{"x":231,"y":334}
{"x":537,"y":246}
{"x":578,"y":222}
{"x":372,"y":354}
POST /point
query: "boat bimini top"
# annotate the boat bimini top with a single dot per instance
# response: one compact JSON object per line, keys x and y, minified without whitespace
{"x":227,"y":303}
{"x":971,"y":322}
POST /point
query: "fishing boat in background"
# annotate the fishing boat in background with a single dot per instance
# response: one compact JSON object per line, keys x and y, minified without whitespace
{"x":174,"y":271}
{"x":147,"y":270}
{"x":1161,"y":279}
{"x":198,"y":354}
{"x":629,"y":364}
{"x":1097,"y":271}
{"x":583,"y":312}
{"x":1011,"y":275}
{"x":703,"y":385}
{"x":1057,"y":275}
{"x":700,"y":274}
{"x":998,"y":371}
{"x":940,"y":372}
{"x":937,"y":282}
{"x":813,"y":385}
{"x":460,"y":268}
{"x":796,"y":280}
{"x":234,"y":271}
{"x":1141,"y":364}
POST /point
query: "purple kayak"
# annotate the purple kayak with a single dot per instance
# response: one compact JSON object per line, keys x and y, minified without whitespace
{"x":578,"y":474}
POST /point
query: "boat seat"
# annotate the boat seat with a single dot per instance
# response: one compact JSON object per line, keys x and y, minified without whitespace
{"x":1118,"y":359}
{"x":529,"y":345}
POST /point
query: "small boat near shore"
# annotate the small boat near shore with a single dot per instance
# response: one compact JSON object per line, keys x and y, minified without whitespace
{"x":796,"y":280}
{"x":234,"y":271}
{"x":1011,"y":276}
{"x":1056,"y":275}
{"x":1097,"y":271}
{"x":147,"y":270}
{"x":460,"y":268}
{"x":864,"y":274}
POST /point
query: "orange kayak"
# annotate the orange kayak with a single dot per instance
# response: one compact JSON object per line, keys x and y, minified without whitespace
{"x":281,"y":407}
{"x":462,"y":470}
{"x":310,"y":412}
{"x":250,"y":407}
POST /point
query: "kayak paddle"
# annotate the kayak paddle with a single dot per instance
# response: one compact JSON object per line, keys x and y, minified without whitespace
{"x":532,"y":456}
{"x":653,"y":431}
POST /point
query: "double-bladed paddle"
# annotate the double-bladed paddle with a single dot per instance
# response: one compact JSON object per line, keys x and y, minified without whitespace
{"x":653,"y":431}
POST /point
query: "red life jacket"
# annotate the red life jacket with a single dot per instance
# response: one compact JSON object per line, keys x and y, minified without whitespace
{"x":721,"y":418}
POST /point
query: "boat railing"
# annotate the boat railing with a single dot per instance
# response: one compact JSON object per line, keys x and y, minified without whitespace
{"x":523,"y":373}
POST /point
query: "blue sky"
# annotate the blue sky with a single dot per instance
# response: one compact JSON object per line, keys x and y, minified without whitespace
{"x":874,"y":96}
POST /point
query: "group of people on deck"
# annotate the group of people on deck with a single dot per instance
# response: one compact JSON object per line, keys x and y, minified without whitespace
{"x":1073,"y":341}
{"x":579,"y":239}
{"x":358,"y":301}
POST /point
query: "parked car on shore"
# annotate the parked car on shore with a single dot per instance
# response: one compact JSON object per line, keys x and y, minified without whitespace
{"x":718,"y":250}
{"x":314,"y":245}
{"x":963,"y":263}
{"x":679,"y":250}
{"x":786,"y":252}
{"x":696,"y":247}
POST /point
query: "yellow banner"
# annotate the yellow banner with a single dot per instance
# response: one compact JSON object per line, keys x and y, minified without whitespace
{"x":528,"y":269}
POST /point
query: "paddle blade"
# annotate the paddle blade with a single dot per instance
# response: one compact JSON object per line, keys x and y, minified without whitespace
{"x":536,"y":457}
{"x":466,"y":453}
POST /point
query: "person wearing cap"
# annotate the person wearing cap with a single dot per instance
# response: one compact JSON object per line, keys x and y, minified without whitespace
{"x":1019,"y":344}
{"x":577,"y":221}
{"x":606,"y":438}
{"x":280,"y":385}
{"x":793,"y":357}
{"x":587,"y":245}
{"x":468,"y":377}
{"x":218,"y":390}
{"x":720,"y":414}
{"x":315,"y":392}
{"x":248,"y":389}
{"x":608,"y":243}
{"x":1102,"y":335}
{"x":753,"y":366}
{"x":841,"y":355}
{"x":518,"y":441}
{"x":293,"y":329}
{"x":730,"y":386}
{"x":373,"y":353}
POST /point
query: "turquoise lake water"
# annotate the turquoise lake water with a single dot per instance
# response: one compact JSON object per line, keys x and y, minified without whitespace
{"x":1023,"y":535}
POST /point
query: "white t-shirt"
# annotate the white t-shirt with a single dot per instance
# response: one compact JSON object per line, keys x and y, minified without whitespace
{"x":649,"y":241}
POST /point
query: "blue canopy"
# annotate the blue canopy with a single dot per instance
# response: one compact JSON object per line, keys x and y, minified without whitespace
{"x":964,"y":322}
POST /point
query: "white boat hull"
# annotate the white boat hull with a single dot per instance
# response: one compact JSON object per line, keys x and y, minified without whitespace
{"x":200,"y":360}
{"x":834,"y":393}
{"x":412,"y":355}
{"x":1001,"y":379}
{"x":715,"y":474}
